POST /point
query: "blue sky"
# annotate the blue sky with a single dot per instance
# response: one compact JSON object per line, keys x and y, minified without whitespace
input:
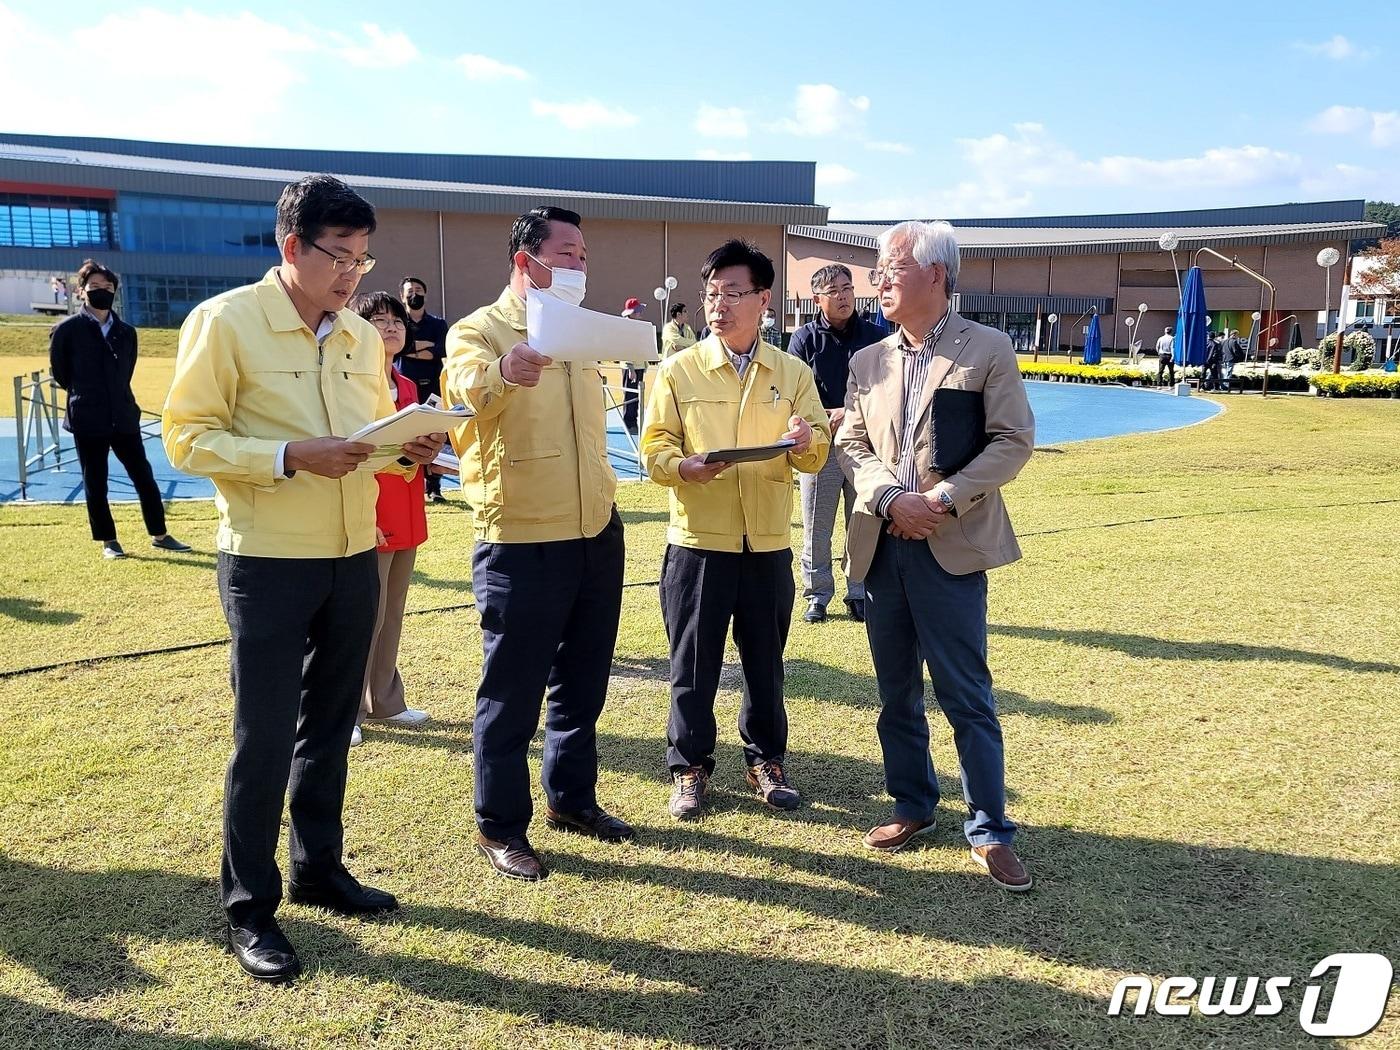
{"x":932,"y":110}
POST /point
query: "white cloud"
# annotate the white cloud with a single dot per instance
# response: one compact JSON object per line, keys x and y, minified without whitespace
{"x":722,"y":122}
{"x":834,"y":175}
{"x":716,"y":154}
{"x":1339,"y":49}
{"x":486,"y":68}
{"x":380,"y":50}
{"x":584,"y":114}
{"x":888,"y":147}
{"x":1007,"y":173}
{"x":1381,"y":128}
{"x":823,"y":109}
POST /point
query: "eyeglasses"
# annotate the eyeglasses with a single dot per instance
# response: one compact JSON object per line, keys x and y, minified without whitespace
{"x":731,"y":297}
{"x":879,"y":275}
{"x":344,"y":262}
{"x":837,"y":293}
{"x":386,"y":321}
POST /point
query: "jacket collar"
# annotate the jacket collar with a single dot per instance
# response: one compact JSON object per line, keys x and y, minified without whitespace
{"x":714,"y":356}
{"x":511,"y":309}
{"x":282,"y":315}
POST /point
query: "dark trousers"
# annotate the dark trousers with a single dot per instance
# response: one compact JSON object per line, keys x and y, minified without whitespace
{"x":301,"y":634}
{"x":1168,"y":365}
{"x":701,"y":592}
{"x":426,"y":389}
{"x":92,"y":460}
{"x":549,"y":615}
{"x":914,"y":607}
{"x":632,"y":399}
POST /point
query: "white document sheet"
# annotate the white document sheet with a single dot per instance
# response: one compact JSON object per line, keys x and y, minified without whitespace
{"x":413,"y":421}
{"x":571,"y":333}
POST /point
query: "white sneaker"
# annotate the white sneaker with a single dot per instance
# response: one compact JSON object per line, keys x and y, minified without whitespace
{"x":410,"y":717}
{"x":356,"y":737}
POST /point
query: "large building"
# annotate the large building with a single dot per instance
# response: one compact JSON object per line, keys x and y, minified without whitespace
{"x":180,"y":222}
{"x":1017,"y":271}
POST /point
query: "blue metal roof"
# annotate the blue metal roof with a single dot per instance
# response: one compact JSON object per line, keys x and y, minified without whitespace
{"x":764,"y":181}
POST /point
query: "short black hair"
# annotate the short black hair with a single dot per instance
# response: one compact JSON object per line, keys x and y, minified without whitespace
{"x":367,"y":304}
{"x":677,"y":310}
{"x":91,"y":267}
{"x":531,"y":230}
{"x":740,"y":253}
{"x":415,"y":280}
{"x":310,"y":205}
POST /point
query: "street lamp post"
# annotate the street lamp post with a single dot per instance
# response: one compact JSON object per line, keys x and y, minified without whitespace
{"x":1328,"y":258}
{"x":1051,"y":345}
{"x":1169,"y":242}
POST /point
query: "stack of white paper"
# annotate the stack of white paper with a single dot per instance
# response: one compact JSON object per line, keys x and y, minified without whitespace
{"x":413,"y":421}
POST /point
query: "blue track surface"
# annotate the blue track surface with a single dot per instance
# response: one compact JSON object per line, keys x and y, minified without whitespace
{"x":1063,"y":412}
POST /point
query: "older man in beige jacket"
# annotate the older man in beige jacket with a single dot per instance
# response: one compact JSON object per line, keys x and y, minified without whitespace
{"x":936,"y":422}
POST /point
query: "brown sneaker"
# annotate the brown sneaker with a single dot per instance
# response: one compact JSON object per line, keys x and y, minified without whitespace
{"x":896,"y":833}
{"x":688,"y":792}
{"x":1001,"y":863}
{"x":772,"y":785}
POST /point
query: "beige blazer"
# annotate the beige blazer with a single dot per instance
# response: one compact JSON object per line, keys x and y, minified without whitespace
{"x":970,"y":357}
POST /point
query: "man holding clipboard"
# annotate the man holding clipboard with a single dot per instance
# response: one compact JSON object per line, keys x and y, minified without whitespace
{"x":729,"y":555}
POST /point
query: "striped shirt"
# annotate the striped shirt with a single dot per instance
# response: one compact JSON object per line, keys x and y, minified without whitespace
{"x":916,"y":365}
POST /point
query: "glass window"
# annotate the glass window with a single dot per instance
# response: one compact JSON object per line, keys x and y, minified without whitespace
{"x":53,"y":222}
{"x":162,"y":224}
{"x":164,"y":302}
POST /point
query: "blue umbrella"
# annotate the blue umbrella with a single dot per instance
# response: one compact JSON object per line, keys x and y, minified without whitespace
{"x":1093,"y":342}
{"x":1191,"y":320}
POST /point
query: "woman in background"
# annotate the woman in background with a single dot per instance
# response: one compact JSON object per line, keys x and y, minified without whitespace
{"x":402,"y":527}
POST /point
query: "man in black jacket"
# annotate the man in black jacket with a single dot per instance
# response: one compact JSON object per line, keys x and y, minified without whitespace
{"x":422,"y":356}
{"x":92,"y":355}
{"x":826,"y":344}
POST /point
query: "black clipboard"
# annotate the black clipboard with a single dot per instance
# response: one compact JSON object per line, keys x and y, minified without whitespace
{"x":750,"y":454}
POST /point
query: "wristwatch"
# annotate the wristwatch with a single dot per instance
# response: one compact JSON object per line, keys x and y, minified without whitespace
{"x":947,"y":502}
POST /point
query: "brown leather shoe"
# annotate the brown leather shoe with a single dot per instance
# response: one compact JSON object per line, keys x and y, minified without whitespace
{"x":896,"y":833}
{"x":594,"y":821}
{"x":515,"y":858}
{"x":1001,"y":863}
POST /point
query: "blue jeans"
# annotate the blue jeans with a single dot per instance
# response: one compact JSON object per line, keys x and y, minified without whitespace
{"x":913,"y":609}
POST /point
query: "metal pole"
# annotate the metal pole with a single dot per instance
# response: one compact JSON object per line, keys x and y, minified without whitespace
{"x":1341,"y":323}
{"x":19,"y":436}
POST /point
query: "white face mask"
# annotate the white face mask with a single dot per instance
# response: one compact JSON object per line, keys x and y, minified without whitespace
{"x":568,"y":286}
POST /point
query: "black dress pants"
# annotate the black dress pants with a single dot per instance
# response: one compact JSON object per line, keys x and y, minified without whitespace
{"x":301,"y":634}
{"x":701,"y":593}
{"x":92,"y":459}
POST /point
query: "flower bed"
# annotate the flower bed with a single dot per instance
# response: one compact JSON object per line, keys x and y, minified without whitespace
{"x":1365,"y":385}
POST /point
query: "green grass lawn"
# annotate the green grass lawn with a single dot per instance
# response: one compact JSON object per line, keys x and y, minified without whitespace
{"x":1197,"y":672}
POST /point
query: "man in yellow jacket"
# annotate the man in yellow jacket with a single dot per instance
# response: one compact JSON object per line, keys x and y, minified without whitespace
{"x":729,"y":551}
{"x":266,"y":377}
{"x":547,"y":565}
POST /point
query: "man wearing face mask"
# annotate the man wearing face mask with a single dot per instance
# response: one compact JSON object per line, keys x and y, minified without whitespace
{"x":422,"y":355}
{"x":92,"y":356}
{"x":547,"y":565}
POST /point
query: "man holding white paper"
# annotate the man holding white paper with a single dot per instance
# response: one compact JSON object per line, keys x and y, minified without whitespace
{"x":729,"y":555}
{"x":547,"y":565}
{"x":267,"y":378}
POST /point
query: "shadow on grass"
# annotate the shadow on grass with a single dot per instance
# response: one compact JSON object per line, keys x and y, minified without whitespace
{"x":1148,"y":647}
{"x":34,"y":610}
{"x":41,"y":1026}
{"x":1122,"y":904}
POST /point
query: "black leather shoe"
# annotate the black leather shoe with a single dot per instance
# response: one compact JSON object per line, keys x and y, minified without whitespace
{"x":339,"y":892}
{"x":264,"y":952}
{"x":594,"y":821}
{"x":856,"y":607}
{"x":816,"y":613}
{"x":514,"y":858}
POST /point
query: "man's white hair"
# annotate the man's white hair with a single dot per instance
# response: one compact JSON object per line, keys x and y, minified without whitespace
{"x":929,"y":243}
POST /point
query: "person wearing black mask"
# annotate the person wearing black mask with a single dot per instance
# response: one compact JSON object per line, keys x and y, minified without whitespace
{"x":423,"y":353}
{"x":92,"y":355}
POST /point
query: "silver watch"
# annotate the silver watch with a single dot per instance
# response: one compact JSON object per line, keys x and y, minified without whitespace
{"x":945,"y":499}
